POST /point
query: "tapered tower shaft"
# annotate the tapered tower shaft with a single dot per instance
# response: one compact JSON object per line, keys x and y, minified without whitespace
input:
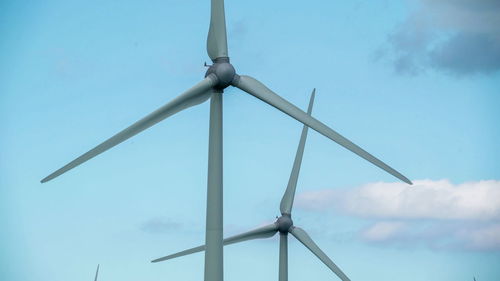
{"x":283,"y":267}
{"x":214,"y":251}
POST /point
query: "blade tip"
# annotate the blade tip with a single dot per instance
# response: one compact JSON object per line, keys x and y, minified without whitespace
{"x":48,"y":178}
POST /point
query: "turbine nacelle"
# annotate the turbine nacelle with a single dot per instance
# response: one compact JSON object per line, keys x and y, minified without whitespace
{"x":284,"y":223}
{"x":224,"y":71}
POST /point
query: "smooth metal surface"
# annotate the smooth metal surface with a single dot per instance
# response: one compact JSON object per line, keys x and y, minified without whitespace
{"x":287,"y":200}
{"x":258,"y":233}
{"x":260,"y":91}
{"x":283,"y":259}
{"x":96,"y":273}
{"x":181,"y":253}
{"x":214,"y":222}
{"x":196,"y":95}
{"x":284,"y":223}
{"x":224,"y":71}
{"x":304,"y":238}
{"x":217,"y":37}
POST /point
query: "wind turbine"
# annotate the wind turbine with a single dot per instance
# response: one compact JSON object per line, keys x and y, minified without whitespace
{"x":96,"y":273}
{"x":220,"y":75}
{"x":283,"y":224}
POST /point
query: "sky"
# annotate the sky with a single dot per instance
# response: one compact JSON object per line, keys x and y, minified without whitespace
{"x":414,"y":82}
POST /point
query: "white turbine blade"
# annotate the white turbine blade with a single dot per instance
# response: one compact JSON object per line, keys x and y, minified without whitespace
{"x":196,"y":95}
{"x":217,"y":37}
{"x":181,"y":253}
{"x":304,"y":238}
{"x":260,"y":91}
{"x":96,"y":273}
{"x":258,"y":233}
{"x":287,"y":200}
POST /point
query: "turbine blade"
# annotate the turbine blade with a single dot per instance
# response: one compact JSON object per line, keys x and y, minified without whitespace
{"x":260,"y":91}
{"x":304,"y":238}
{"x":181,"y":253}
{"x":258,"y":233}
{"x":214,"y":254}
{"x":287,"y":200}
{"x":96,"y":273}
{"x":196,"y":95}
{"x":217,"y":38}
{"x":283,"y":270}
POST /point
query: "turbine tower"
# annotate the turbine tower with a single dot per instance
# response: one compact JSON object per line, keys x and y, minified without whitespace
{"x":283,"y":225}
{"x":220,"y":75}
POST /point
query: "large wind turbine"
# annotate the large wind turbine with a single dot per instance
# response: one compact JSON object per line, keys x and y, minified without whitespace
{"x":283,"y":224}
{"x":220,"y":75}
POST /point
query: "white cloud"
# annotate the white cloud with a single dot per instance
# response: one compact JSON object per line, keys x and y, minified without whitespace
{"x":426,"y":199}
{"x":382,"y":231}
{"x":435,"y":235}
{"x":438,"y":214}
{"x":482,"y":238}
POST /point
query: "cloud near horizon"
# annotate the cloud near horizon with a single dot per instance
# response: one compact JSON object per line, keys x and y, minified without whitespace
{"x":437,"y":213}
{"x":460,"y":37}
{"x":159,"y":225}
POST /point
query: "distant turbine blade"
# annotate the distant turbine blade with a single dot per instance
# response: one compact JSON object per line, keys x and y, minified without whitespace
{"x":304,"y":238}
{"x":283,"y":267}
{"x":217,"y":38}
{"x":287,"y":200}
{"x":258,"y":233}
{"x":181,"y":253}
{"x":96,"y":273}
{"x":260,"y":91}
{"x":196,"y":95}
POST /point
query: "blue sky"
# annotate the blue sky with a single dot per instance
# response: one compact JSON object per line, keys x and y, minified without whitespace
{"x":414,"y":82}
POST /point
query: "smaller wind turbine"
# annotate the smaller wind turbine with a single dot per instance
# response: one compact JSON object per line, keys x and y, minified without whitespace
{"x":283,"y":224}
{"x":96,"y":273}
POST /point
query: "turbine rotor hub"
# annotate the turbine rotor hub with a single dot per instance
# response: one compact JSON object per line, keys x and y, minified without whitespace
{"x":284,"y":223}
{"x":224,"y":71}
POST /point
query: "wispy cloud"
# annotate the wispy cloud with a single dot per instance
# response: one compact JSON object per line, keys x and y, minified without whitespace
{"x":437,"y":213}
{"x":238,"y":30}
{"x":456,"y":36}
{"x":160,"y":225}
{"x":426,"y":199}
{"x":382,"y":231}
{"x":435,"y":235}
